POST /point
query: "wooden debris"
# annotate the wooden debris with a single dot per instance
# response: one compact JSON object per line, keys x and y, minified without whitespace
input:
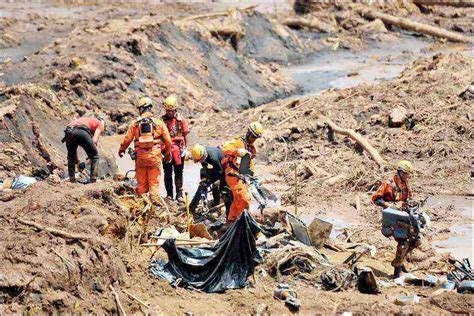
{"x":451,"y":3}
{"x":410,"y":25}
{"x":54,"y":231}
{"x":117,"y":300}
{"x":314,"y":23}
{"x":374,"y":154}
{"x":146,"y":305}
{"x":218,"y":14}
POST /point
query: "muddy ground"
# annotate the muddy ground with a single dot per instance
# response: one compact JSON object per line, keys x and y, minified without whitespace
{"x":59,"y":61}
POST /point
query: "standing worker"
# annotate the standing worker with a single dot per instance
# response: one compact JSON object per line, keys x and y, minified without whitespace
{"x":395,"y":194}
{"x":211,"y":172}
{"x":148,"y":134}
{"x":234,"y":151}
{"x":83,"y":132}
{"x":178,"y":129}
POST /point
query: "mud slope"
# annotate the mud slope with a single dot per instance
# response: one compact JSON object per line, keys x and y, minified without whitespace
{"x":106,"y":66}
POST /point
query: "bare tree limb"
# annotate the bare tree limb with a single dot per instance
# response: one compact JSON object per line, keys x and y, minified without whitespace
{"x":54,"y":231}
{"x":410,"y":25}
{"x":358,"y":138}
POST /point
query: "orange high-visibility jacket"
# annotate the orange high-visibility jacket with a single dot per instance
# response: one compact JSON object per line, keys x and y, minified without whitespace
{"x":392,"y":191}
{"x":231,"y":157}
{"x":160,"y":134}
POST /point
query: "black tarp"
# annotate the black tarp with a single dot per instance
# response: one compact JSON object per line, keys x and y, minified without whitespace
{"x":227,"y":265}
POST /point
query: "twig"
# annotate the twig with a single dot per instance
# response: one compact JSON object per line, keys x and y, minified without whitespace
{"x":136,"y":298}
{"x":54,"y":231}
{"x":66,"y":261}
{"x":24,"y":288}
{"x":117,"y":300}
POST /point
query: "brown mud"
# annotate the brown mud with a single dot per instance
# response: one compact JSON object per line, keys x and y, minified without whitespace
{"x":61,"y":60}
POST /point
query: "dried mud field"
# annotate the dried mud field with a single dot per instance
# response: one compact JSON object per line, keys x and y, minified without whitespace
{"x":231,"y":64}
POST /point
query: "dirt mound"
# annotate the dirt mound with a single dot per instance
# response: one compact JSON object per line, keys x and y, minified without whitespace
{"x":46,"y":272}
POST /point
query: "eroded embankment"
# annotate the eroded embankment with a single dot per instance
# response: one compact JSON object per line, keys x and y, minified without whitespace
{"x":105,"y":67}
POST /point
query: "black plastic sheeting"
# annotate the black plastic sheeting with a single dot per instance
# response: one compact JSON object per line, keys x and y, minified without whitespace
{"x":225,"y":266}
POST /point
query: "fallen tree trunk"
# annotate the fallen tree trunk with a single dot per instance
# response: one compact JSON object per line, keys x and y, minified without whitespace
{"x":414,"y":26}
{"x":218,"y":14}
{"x":54,"y":231}
{"x":374,"y":154}
{"x":314,"y":23}
{"x":451,"y":3}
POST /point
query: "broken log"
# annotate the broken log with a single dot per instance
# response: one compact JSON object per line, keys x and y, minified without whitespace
{"x":451,"y":3}
{"x":410,"y":25}
{"x":54,"y":231}
{"x":314,"y":23}
{"x":374,"y":154}
{"x":218,"y":14}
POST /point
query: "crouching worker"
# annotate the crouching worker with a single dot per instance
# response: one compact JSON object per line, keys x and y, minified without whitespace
{"x":83,"y":132}
{"x":148,"y":133}
{"x":212,"y":171}
{"x":395,"y":194}
{"x":233,"y":152}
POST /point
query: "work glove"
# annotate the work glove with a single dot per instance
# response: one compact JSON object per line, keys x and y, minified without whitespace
{"x":121,"y":153}
{"x":242,"y":152}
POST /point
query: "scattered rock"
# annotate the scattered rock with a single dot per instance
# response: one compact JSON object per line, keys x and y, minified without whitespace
{"x":397,"y":117}
{"x":376,"y":26}
{"x":261,"y":310}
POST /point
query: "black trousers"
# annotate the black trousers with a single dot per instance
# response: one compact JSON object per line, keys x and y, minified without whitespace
{"x":168,"y":169}
{"x":76,"y":137}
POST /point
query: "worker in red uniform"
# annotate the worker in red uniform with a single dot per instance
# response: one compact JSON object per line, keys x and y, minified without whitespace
{"x":178,"y":128}
{"x":395,"y":194}
{"x":234,"y":151}
{"x":148,"y":134}
{"x":83,"y":132}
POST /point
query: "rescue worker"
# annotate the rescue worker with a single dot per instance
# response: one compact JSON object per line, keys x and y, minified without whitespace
{"x":83,"y":132}
{"x":212,"y":171}
{"x":178,"y":129}
{"x":148,"y":134}
{"x":234,"y":151}
{"x":395,"y":193}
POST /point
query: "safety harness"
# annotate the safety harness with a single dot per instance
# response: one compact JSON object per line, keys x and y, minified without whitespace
{"x":146,"y":136}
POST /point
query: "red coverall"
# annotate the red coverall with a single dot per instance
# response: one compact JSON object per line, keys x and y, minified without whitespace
{"x":178,"y":128}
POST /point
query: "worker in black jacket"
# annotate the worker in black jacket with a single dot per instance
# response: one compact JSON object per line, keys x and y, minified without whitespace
{"x":211,"y":172}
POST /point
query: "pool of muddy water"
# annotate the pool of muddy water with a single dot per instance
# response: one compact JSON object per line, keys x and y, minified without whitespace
{"x":460,"y":241}
{"x":345,"y":68}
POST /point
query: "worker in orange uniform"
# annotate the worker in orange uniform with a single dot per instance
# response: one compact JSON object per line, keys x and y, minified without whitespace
{"x":148,"y":134}
{"x":233,"y":152}
{"x":178,"y":128}
{"x":395,"y":194}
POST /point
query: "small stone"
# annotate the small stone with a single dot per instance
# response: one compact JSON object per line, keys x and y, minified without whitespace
{"x":261,"y":309}
{"x":397,"y":117}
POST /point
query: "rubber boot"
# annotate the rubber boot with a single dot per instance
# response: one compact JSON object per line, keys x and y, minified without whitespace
{"x":396,"y":272}
{"x":179,"y":197}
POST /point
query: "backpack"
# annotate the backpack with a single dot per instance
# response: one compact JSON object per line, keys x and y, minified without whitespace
{"x":146,"y":132}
